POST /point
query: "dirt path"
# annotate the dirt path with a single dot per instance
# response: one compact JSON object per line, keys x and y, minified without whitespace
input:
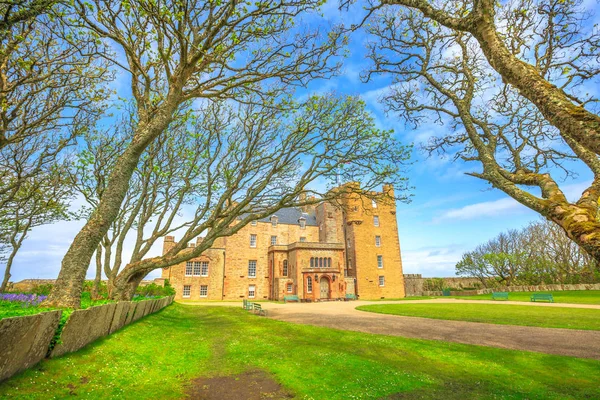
{"x":343,"y":315}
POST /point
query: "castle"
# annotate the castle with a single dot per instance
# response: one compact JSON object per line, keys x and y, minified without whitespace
{"x":320,"y":252}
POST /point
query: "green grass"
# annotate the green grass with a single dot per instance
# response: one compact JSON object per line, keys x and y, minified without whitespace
{"x":156,"y":357}
{"x":505,"y":314}
{"x":16,"y":309}
{"x":572,"y":296}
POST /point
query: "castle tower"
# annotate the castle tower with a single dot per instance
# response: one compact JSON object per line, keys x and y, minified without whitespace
{"x":373,"y":245}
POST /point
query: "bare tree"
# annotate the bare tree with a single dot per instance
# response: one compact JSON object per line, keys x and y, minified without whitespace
{"x":557,"y":51}
{"x":168,"y":178}
{"x":176,"y":51}
{"x":439,"y":73}
{"x":246,"y":162}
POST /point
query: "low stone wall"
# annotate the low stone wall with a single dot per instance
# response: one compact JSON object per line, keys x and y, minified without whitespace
{"x":25,"y":340}
{"x":533,"y":288}
{"x":541,"y":288}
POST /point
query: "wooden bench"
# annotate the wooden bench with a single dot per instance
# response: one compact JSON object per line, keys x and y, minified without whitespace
{"x":258,"y":309}
{"x":291,"y":297}
{"x":542,"y":297}
{"x":499,"y":295}
{"x":349,"y":296}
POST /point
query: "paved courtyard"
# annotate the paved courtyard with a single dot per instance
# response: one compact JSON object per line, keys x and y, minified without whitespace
{"x":343,"y":315}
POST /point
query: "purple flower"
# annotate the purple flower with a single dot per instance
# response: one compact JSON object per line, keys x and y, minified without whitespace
{"x":27,"y":299}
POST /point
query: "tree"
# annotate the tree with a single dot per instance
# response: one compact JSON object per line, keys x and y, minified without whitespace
{"x":41,"y":199}
{"x":178,"y":51}
{"x":240,"y":163}
{"x":563,"y":53}
{"x":538,"y":254}
{"x":439,"y":73}
{"x":167,"y":179}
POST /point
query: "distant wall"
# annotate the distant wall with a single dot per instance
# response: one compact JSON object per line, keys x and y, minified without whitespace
{"x":26,"y":340}
{"x":533,"y":288}
{"x":414,"y":284}
{"x":27,"y":285}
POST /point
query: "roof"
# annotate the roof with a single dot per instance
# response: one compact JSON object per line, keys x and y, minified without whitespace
{"x":292,"y":215}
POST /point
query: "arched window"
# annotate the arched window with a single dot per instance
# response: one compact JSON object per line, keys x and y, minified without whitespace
{"x":320,"y":262}
{"x":309,"y":285}
{"x":329,"y":262}
{"x":312,"y":262}
{"x":285,"y":268}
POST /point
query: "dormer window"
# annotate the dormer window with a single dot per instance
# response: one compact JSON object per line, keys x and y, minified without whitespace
{"x":302,"y":222}
{"x":274,"y":220}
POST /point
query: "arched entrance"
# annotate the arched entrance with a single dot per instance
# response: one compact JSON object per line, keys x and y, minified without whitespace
{"x":324,"y":286}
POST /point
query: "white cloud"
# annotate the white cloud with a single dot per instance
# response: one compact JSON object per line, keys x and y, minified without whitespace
{"x":484,"y":209}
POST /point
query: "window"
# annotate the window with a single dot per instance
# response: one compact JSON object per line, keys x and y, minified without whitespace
{"x":348,"y":243}
{"x":309,"y":285}
{"x":187,"y":289}
{"x":302,"y":223}
{"x":285,"y":268}
{"x":203,"y":290}
{"x":252,"y":269}
{"x":320,"y":262}
{"x":374,"y":203}
{"x":253,"y":223}
{"x":302,"y":239}
{"x":188,"y":268}
{"x":204,"y":268}
{"x":274,"y":220}
{"x":379,"y":261}
{"x":251,"y":291}
{"x":329,"y":262}
{"x":382,"y":281}
{"x":349,"y":264}
{"x":290,"y":288}
{"x":345,"y":273}
{"x":196,"y":268}
{"x":252,"y":240}
{"x":378,"y":241}
{"x":376,"y":220}
{"x":273,"y":240}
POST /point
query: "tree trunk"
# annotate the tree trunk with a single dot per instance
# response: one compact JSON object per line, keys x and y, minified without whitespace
{"x":98,"y":278}
{"x":6,"y":278}
{"x":125,"y":287}
{"x":68,"y":287}
{"x":580,"y":225}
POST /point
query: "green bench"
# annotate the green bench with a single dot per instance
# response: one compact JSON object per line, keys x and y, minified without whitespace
{"x":291,"y":297}
{"x":246,"y":305}
{"x":258,"y":310}
{"x":542,"y":297}
{"x":350,"y":296}
{"x":499,"y":295}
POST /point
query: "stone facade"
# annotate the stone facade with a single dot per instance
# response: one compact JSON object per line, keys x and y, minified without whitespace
{"x":317,"y":253}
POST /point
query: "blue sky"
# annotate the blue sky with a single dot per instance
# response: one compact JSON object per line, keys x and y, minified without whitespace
{"x":450,"y":212}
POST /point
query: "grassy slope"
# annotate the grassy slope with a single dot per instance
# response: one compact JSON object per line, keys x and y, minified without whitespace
{"x":548,"y":317}
{"x":157,"y":356}
{"x":574,"y":296}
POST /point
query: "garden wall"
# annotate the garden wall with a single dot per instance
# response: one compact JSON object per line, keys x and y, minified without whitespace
{"x":25,"y":341}
{"x":532,"y":288}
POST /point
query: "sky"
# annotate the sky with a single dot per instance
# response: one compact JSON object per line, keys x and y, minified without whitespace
{"x":450,"y":212}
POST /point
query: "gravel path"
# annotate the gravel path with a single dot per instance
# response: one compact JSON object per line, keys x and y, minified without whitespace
{"x":343,"y":315}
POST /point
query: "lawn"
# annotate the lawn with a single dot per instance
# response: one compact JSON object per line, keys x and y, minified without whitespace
{"x":548,"y":317}
{"x":572,"y":296}
{"x":158,"y":356}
